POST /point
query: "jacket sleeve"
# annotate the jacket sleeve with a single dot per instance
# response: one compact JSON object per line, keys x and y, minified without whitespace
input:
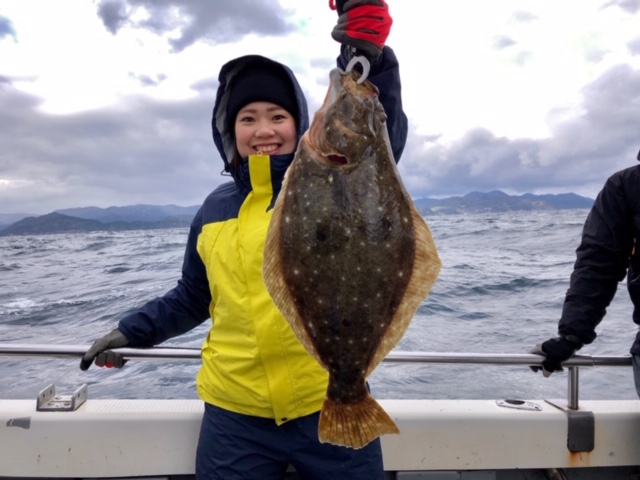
{"x":602,"y":260}
{"x":385,"y":74}
{"x":179,"y":310}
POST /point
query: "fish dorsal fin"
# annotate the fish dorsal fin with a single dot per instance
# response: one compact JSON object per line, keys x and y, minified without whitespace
{"x":426,"y":267}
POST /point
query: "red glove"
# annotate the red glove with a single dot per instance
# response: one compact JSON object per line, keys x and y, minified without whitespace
{"x":363,"y":24}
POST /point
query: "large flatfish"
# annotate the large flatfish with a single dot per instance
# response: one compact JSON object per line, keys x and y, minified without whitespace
{"x":348,"y":258}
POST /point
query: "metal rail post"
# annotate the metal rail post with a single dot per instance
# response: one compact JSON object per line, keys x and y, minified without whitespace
{"x":573,"y":380}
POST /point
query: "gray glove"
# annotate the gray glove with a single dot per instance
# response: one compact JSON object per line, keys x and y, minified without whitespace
{"x":101,"y":353}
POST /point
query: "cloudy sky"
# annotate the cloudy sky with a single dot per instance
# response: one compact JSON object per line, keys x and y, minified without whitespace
{"x":108,"y":102}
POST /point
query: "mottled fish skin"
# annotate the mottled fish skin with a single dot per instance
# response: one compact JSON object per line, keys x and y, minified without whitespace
{"x":348,"y":258}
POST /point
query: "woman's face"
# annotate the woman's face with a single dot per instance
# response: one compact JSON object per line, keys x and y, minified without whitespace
{"x":266,"y":128}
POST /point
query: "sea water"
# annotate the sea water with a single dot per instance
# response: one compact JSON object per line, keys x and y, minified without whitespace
{"x":501,"y":290}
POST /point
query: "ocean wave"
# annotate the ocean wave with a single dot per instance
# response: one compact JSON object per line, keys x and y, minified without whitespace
{"x":500,"y":290}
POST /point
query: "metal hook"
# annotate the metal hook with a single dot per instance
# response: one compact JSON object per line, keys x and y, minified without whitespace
{"x":366,"y":67}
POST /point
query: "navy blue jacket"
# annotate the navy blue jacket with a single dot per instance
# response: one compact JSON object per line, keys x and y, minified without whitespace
{"x":187,"y":305}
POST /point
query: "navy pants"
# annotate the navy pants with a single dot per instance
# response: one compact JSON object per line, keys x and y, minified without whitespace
{"x":241,"y":447}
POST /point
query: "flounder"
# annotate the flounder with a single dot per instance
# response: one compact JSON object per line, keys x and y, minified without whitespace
{"x":348,"y":258}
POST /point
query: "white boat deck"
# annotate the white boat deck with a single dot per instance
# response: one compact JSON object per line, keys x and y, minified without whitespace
{"x":138,"y":438}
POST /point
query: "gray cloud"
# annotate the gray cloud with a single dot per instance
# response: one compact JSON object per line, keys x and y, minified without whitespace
{"x":159,"y":152}
{"x":147,"y":80}
{"x":216,"y":21}
{"x":522,"y":16}
{"x":501,"y":41}
{"x":204,"y":86}
{"x":113,"y":14}
{"x":581,"y":153}
{"x":634,"y":46}
{"x":162,"y":152}
{"x":144,"y":151}
{"x":6,"y":28}
{"x":629,"y":6}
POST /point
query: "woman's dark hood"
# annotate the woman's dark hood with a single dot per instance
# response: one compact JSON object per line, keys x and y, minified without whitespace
{"x":221,"y":135}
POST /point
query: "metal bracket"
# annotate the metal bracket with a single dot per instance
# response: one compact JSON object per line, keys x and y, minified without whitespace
{"x":518,"y":404}
{"x":581,"y":427}
{"x":48,"y":401}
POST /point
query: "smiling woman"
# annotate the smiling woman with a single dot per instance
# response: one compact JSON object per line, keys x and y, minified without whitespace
{"x":262,"y":112}
{"x":254,"y":371}
{"x":265,"y":128}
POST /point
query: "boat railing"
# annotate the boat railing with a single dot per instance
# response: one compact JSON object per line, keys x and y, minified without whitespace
{"x":187,"y":353}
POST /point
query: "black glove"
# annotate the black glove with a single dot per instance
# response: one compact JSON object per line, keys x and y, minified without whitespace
{"x":556,"y":351}
{"x":101,"y":353}
{"x":363,"y":24}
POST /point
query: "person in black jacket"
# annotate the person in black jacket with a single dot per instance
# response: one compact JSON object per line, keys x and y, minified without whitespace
{"x":608,"y":251}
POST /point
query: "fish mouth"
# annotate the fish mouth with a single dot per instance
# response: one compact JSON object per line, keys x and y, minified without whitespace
{"x":337,"y":159}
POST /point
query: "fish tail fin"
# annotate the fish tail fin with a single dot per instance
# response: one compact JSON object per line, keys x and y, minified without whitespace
{"x":353,"y":425}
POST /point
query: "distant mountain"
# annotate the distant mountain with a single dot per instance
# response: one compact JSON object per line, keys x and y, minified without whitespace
{"x":7,"y":219}
{"x":58,"y":223}
{"x":140,"y":217}
{"x":131,"y":213}
{"x":498,"y":201}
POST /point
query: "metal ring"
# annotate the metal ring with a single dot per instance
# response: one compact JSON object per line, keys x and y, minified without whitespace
{"x":366,"y":67}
